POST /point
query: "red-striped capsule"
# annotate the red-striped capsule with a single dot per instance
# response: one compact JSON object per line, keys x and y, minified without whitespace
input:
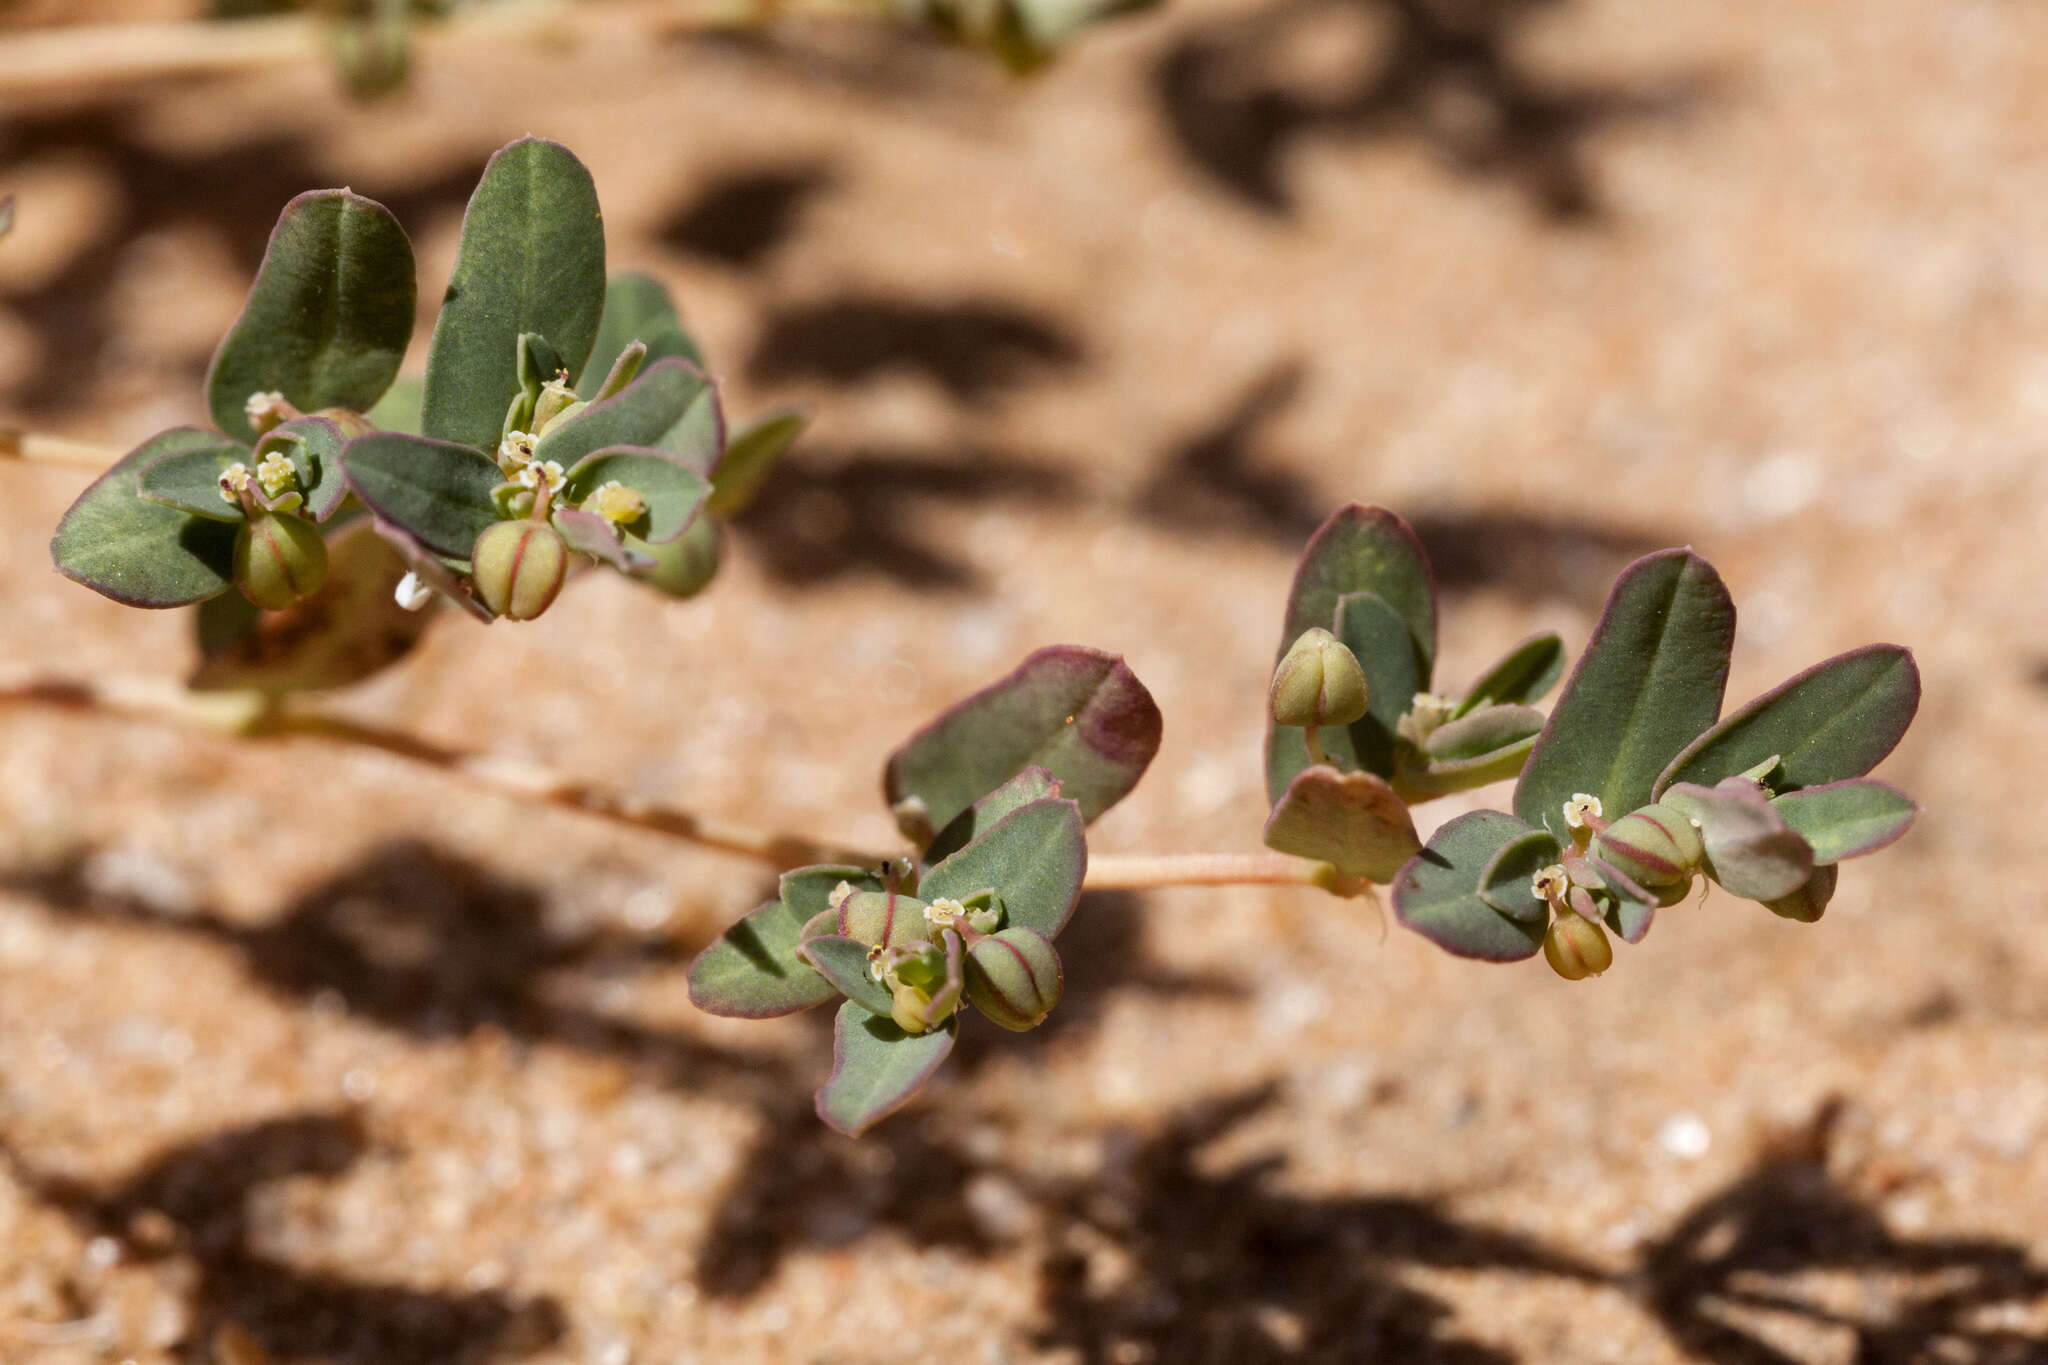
{"x":1655,"y":846}
{"x":279,"y":559}
{"x":1576,"y":947}
{"x":518,"y":567}
{"x":1014,"y":978}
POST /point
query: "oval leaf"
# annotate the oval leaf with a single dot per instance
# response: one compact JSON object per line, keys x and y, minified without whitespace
{"x":1649,"y":682}
{"x":1751,"y":850}
{"x":189,"y":480}
{"x":1437,"y":893}
{"x":313,"y":445}
{"x":752,"y":970}
{"x":1835,"y":721}
{"x":1078,"y":713}
{"x":1507,"y":882}
{"x":1033,"y":784}
{"x":590,"y":534}
{"x":673,"y":494}
{"x":1353,"y":821}
{"x":636,"y":308}
{"x":754,"y":448}
{"x":1847,"y":819}
{"x":1524,"y":674}
{"x":1034,"y":858}
{"x":531,"y":260}
{"x":640,"y":414}
{"x":877,"y":1067}
{"x":843,"y":963}
{"x":327,"y":321}
{"x":439,"y":492}
{"x":138,"y":552}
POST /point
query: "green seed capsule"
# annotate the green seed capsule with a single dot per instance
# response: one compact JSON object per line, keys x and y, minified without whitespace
{"x":686,"y":565}
{"x":279,"y":559}
{"x":1318,"y":682}
{"x":518,"y":567}
{"x":1655,"y":846}
{"x":1576,"y":947}
{"x":884,"y":918}
{"x":1014,"y":978}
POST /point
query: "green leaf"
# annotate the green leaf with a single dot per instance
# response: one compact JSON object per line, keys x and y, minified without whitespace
{"x":1437,"y":893}
{"x":399,"y":408}
{"x":348,"y":631}
{"x":189,"y":480}
{"x":1360,"y":550}
{"x":437,"y":491}
{"x":1751,"y":850}
{"x":877,"y":1067}
{"x":1507,"y":882}
{"x":143,"y":553}
{"x":1034,"y":858}
{"x":1385,"y":648}
{"x":1076,"y":712}
{"x":1649,"y":682}
{"x":327,"y":320}
{"x":752,"y":970}
{"x":1836,"y":720}
{"x":531,"y":260}
{"x":1807,"y":904}
{"x":313,"y":445}
{"x":1524,"y":674}
{"x":1033,"y":784}
{"x":1483,"y":746}
{"x":672,"y":493}
{"x":1847,"y":819}
{"x":1353,"y":821}
{"x":641,"y":414}
{"x":753,"y":450}
{"x":590,"y":534}
{"x":843,"y":963}
{"x":636,"y":308}
{"x":686,"y":565}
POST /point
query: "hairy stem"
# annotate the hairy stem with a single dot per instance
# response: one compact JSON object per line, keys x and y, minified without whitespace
{"x":99,"y":56}
{"x":250,"y":716}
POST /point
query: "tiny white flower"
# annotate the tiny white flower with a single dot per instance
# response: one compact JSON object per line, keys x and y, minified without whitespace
{"x":1580,"y":808}
{"x":412,"y":594}
{"x":616,"y":503}
{"x":945,"y":913}
{"x":233,"y":480}
{"x":515,"y":450}
{"x":276,"y":474}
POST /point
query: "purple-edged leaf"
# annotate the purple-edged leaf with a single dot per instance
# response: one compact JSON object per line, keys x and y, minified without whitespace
{"x":1650,"y":681}
{"x":1360,"y":550}
{"x":1847,"y":819}
{"x":1751,"y":851}
{"x":1836,"y":720}
{"x":423,"y":564}
{"x":638,"y":415}
{"x":843,"y":962}
{"x":590,"y":534}
{"x":1809,"y":902}
{"x":1634,"y":906}
{"x":349,"y":630}
{"x":638,"y":308}
{"x":754,"y":448}
{"x":1078,"y":713}
{"x":313,"y":445}
{"x":752,"y":970}
{"x":877,"y":1067}
{"x":438,"y":492}
{"x":1507,"y":882}
{"x":1353,"y":821}
{"x":1457,"y":756}
{"x":189,"y":479}
{"x":674,"y":494}
{"x":1437,"y":893}
{"x":142,"y":553}
{"x":327,"y":320}
{"x":1033,"y":784}
{"x":531,"y":260}
{"x":1034,"y":858}
{"x":1520,"y":676}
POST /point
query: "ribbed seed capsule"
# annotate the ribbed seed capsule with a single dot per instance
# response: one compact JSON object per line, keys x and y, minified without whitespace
{"x":1318,"y":682}
{"x":1014,"y":978}
{"x":518,"y":567}
{"x":886,"y":919}
{"x":1655,"y":846}
{"x":1576,"y":947}
{"x":279,"y":559}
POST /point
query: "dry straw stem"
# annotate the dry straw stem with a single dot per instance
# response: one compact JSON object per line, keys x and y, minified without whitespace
{"x":34,"y":448}
{"x":251,"y":717}
{"x":101,"y":56}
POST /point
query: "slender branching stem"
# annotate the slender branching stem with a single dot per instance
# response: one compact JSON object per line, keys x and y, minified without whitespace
{"x":100,"y":56}
{"x":251,"y":717}
{"x":31,"y":447}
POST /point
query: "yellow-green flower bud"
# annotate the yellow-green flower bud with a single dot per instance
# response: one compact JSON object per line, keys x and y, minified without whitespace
{"x":1014,"y":978}
{"x":1576,"y":947}
{"x":1318,"y":682}
{"x":1655,"y":846}
{"x":518,"y":567}
{"x":279,"y":559}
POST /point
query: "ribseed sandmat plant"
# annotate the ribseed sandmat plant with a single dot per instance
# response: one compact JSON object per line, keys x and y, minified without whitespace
{"x":567,"y":421}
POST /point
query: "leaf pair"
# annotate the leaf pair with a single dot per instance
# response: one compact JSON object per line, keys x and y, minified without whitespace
{"x":1365,"y":577}
{"x":1776,"y":788}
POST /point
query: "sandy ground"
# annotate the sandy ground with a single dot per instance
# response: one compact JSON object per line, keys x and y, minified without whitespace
{"x":385,"y":1071}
